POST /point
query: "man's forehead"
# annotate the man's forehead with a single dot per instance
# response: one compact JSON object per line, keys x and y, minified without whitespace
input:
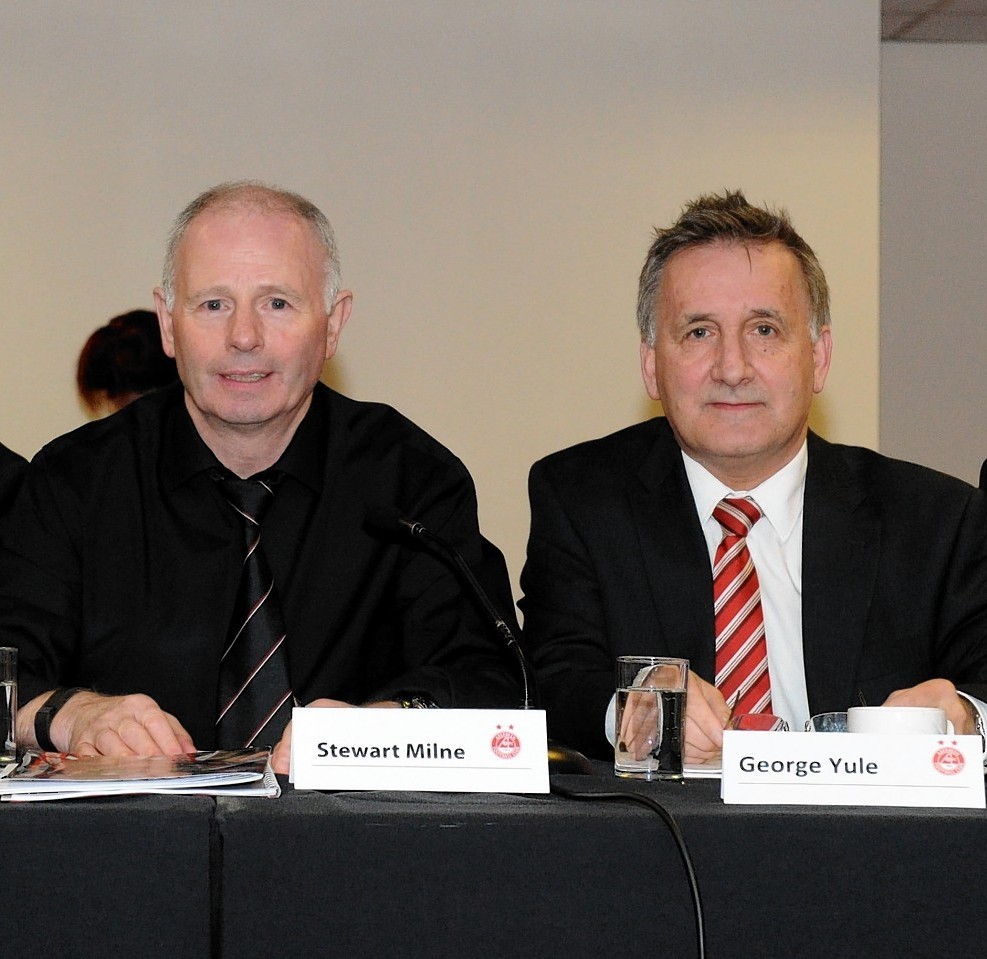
{"x":233,"y":228}
{"x":705,"y":265}
{"x":749,"y":249}
{"x":243,"y":214}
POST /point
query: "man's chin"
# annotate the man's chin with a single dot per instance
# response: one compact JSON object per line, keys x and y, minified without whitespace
{"x":241,"y":417}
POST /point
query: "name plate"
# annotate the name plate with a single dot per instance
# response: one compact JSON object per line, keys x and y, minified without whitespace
{"x":853,"y":769}
{"x":430,"y":750}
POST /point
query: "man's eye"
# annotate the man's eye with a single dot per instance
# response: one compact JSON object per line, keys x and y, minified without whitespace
{"x":214,"y":304}
{"x":698,"y":333}
{"x":278,"y":304}
{"x":765,"y":330}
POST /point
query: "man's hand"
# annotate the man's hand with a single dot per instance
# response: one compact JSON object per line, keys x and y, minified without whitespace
{"x":281,"y":757}
{"x":638,"y":724}
{"x":940,"y":694}
{"x":706,"y":714}
{"x":93,"y":725}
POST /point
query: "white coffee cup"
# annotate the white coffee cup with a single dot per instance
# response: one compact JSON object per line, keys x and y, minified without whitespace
{"x":898,"y":719}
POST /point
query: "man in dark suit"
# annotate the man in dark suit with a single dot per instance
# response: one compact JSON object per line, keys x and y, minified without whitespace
{"x":872,"y":572}
{"x":12,"y":466}
{"x":119,"y":582}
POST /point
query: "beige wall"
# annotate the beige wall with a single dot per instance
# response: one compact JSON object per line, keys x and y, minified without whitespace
{"x":933,"y":260}
{"x":492,"y":171}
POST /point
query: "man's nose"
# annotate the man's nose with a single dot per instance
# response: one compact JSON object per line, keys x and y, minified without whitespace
{"x":245,"y":329}
{"x":732,"y":364}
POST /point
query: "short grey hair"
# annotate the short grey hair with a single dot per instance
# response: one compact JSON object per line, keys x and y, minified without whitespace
{"x":728,"y":218}
{"x":245,"y":194}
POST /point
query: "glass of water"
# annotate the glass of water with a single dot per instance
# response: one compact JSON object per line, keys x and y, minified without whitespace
{"x":650,"y":717}
{"x":8,"y":705}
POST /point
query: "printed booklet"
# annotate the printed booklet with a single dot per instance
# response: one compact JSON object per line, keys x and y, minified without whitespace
{"x":221,"y":772}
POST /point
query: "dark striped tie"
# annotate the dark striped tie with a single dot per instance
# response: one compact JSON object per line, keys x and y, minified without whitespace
{"x":254,"y":690}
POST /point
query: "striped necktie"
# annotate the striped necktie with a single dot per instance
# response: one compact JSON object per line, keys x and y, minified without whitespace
{"x":741,"y":651}
{"x":254,"y":690}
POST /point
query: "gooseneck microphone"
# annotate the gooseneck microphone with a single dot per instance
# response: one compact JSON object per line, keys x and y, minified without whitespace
{"x":389,"y":519}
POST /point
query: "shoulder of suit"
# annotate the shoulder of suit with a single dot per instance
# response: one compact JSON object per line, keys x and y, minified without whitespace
{"x":874,"y":470}
{"x":612,"y":454}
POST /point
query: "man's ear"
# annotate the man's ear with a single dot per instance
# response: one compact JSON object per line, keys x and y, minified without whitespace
{"x":338,"y":316}
{"x":648,"y":370}
{"x":165,"y":323}
{"x":822,"y":355}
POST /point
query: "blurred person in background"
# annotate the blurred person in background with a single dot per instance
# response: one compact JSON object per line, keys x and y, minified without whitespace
{"x":121,"y":361}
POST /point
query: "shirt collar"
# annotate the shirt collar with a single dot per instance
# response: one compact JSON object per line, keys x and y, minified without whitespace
{"x":185,"y":454}
{"x":779,"y":496}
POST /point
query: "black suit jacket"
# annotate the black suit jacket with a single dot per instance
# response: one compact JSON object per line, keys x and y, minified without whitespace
{"x":122,"y":561}
{"x":894,"y":575}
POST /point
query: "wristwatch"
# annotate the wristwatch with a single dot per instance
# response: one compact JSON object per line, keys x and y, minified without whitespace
{"x":44,"y":716}
{"x":418,"y":702}
{"x":979,"y":720}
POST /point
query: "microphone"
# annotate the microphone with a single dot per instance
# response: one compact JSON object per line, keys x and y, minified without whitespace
{"x":389,"y":519}
{"x":561,"y":759}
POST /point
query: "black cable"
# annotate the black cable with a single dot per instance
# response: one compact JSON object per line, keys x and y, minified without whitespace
{"x":673,"y":827}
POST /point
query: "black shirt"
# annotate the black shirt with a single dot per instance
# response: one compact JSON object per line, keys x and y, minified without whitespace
{"x":120,"y":566}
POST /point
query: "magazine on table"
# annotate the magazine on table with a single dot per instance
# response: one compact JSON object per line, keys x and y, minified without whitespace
{"x":218,"y":772}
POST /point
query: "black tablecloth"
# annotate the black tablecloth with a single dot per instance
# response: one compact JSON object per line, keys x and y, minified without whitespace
{"x":434,"y":875}
{"x":437,"y":875}
{"x":125,"y":877}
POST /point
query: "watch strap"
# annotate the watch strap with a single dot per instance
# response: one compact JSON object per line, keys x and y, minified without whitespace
{"x":44,"y":716}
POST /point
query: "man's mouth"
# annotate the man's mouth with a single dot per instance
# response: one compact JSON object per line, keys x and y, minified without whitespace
{"x":244,"y":377}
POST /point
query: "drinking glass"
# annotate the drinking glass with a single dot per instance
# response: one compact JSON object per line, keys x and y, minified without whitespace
{"x":650,"y":717}
{"x":8,"y":705}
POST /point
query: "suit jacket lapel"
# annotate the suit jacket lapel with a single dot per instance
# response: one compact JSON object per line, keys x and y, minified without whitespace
{"x":840,"y":553}
{"x":673,"y":553}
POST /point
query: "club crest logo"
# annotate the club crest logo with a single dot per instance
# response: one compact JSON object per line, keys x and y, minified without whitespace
{"x":505,"y":743}
{"x":947,"y":759}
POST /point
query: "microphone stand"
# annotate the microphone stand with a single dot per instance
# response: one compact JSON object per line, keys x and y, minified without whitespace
{"x":561,"y":759}
{"x":447,"y":550}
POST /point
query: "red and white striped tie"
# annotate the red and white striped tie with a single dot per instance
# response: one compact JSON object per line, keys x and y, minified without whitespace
{"x":741,"y":651}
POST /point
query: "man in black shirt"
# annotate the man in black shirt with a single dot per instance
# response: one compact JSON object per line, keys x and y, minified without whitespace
{"x":121,"y":568}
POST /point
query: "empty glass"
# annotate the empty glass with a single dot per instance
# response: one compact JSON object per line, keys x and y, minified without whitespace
{"x":826,"y":723}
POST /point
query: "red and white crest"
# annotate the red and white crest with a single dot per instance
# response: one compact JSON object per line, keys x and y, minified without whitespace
{"x":947,"y":759}
{"x":505,"y":743}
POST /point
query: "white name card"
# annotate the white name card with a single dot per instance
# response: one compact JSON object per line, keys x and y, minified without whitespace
{"x":430,"y":750}
{"x":853,"y":769}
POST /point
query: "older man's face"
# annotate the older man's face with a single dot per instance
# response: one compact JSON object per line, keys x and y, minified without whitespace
{"x":249,"y":328}
{"x":733,"y":362}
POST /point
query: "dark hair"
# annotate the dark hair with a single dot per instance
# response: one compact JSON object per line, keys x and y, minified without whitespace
{"x":123,"y":359}
{"x":728,"y":218}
